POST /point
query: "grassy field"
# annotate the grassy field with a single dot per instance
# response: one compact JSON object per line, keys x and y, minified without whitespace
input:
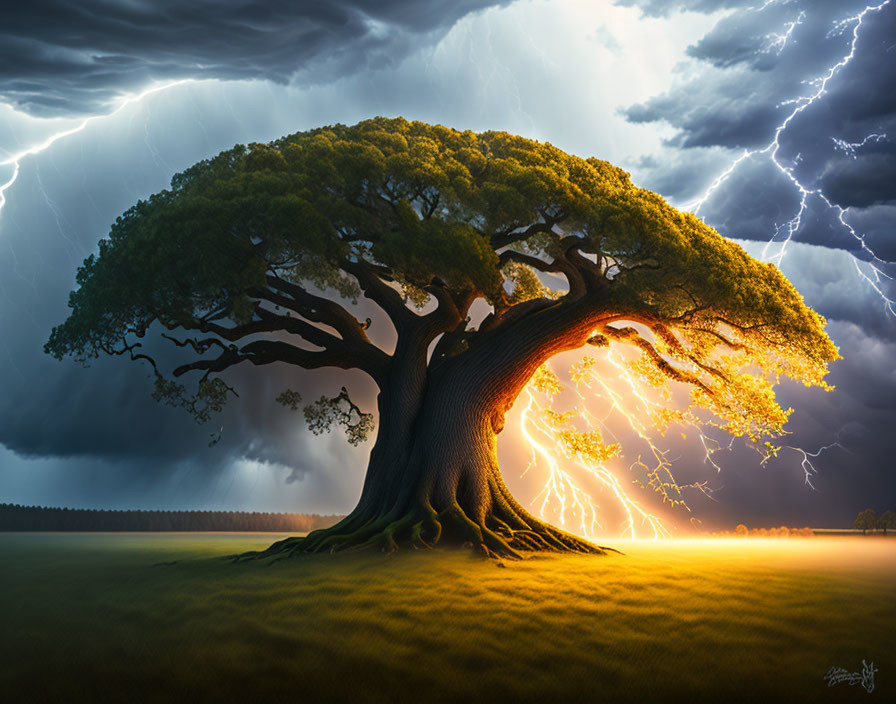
{"x":94,"y":617}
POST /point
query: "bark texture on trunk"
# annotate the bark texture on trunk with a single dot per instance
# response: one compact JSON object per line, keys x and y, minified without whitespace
{"x":433,"y":475}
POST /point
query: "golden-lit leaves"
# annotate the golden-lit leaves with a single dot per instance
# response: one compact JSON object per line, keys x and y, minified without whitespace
{"x":589,"y":446}
{"x":555,"y":419}
{"x":661,"y":418}
{"x":546,"y":381}
{"x":571,"y":439}
{"x":707,"y":377}
{"x":743,"y":400}
{"x":579,"y":372}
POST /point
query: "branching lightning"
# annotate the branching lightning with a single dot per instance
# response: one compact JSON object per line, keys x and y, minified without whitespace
{"x":806,"y":462}
{"x":850,"y":148}
{"x":777,"y":41}
{"x":562,"y":493}
{"x":570,"y":452}
{"x":575,"y":456}
{"x":784,"y":233}
{"x":14,"y":161}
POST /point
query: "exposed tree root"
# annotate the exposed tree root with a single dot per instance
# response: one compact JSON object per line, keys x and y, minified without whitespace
{"x":508,"y":532}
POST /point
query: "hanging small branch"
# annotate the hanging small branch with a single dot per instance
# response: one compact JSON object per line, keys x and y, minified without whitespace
{"x":323,"y":413}
{"x":210,"y":397}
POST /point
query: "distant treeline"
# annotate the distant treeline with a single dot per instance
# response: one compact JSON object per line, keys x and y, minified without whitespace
{"x":36,"y":518}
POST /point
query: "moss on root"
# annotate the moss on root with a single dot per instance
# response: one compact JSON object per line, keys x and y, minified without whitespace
{"x":425,"y":528}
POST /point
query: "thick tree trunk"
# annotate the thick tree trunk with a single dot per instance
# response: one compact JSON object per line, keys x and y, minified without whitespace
{"x":433,"y":479}
{"x":433,"y":476}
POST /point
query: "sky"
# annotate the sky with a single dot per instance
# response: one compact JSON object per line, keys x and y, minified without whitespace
{"x":774,"y":121}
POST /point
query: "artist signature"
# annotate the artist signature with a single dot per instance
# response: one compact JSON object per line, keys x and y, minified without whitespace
{"x":836,"y":675}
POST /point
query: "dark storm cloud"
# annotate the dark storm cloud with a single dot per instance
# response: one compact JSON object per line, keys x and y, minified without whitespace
{"x":859,"y":413}
{"x":758,"y":199}
{"x":101,"y":420}
{"x":828,"y":280}
{"x":719,"y":110}
{"x":672,"y":175}
{"x":60,"y":57}
{"x":741,"y":95}
{"x":752,"y":66}
{"x":863,"y":182}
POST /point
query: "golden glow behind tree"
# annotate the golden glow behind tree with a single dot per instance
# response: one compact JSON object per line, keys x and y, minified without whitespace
{"x":244,"y":259}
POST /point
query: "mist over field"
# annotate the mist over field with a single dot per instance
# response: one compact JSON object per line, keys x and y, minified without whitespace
{"x":711,"y":620}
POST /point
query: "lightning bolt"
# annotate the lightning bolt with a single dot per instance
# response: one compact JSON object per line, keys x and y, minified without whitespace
{"x":566,"y":494}
{"x":15,"y":160}
{"x":806,"y":462}
{"x":777,"y":41}
{"x":767,"y":3}
{"x":850,"y":148}
{"x":784,"y":233}
{"x":569,"y":456}
{"x":708,"y":451}
{"x":576,"y":452}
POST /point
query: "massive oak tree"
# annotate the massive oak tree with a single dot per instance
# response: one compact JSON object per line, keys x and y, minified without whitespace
{"x":247,"y":257}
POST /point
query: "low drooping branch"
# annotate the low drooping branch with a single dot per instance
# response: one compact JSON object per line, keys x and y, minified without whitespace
{"x":631,"y":336}
{"x":199,"y":346}
{"x":317,"y":309}
{"x":269,"y":351}
{"x":679,"y":350}
{"x":130,"y":350}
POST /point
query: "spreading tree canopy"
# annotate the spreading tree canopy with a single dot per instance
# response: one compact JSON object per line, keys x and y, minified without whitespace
{"x":251,"y":255}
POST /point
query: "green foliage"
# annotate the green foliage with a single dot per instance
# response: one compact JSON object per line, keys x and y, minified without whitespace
{"x":417,"y":296}
{"x":419,"y":249}
{"x":210,"y":397}
{"x":421,"y":201}
{"x":419,"y":205}
{"x":325,"y":412}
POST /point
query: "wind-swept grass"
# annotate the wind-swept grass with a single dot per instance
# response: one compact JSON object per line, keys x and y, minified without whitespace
{"x":97,"y":618}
